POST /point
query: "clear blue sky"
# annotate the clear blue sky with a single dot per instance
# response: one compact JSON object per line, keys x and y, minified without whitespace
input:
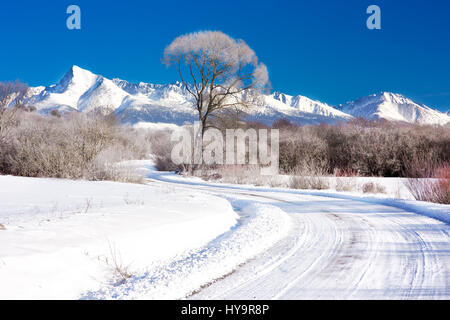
{"x":321,"y":49}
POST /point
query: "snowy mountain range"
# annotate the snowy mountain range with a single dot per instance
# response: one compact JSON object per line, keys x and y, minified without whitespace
{"x":394,"y":107}
{"x":82,"y":90}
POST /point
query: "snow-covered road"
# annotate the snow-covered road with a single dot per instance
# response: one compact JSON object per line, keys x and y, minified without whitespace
{"x":178,"y":237}
{"x":336,"y":249}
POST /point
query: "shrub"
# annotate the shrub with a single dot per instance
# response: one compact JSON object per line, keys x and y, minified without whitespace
{"x":164,"y":163}
{"x":435,"y":189}
{"x":240,"y":174}
{"x":298,"y":182}
{"x":345,"y":184}
{"x":364,"y":148}
{"x":370,"y":187}
{"x":302,"y":149}
{"x":345,"y":172}
{"x":310,"y":176}
{"x":443,"y":185}
{"x":55,"y":113}
{"x":318,"y":183}
{"x":161,"y":148}
{"x":311,"y":182}
{"x":75,"y":146}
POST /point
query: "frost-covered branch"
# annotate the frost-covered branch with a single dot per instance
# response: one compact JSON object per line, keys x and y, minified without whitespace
{"x":224,"y":72}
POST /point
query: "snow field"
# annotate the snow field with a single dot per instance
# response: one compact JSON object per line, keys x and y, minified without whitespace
{"x":263,"y":226}
{"x":63,"y":238}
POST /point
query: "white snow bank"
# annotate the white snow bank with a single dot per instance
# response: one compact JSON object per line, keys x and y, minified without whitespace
{"x":156,"y":126}
{"x":62,"y":238}
{"x":393,"y":187}
{"x":436,"y":211}
{"x":261,"y":227}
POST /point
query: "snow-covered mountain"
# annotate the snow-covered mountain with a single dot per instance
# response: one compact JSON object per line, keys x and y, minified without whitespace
{"x":394,"y":107}
{"x":297,"y":109}
{"x":81,"y":90}
{"x":84,"y":91}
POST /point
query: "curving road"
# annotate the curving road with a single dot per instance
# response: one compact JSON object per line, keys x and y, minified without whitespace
{"x":338,"y":249}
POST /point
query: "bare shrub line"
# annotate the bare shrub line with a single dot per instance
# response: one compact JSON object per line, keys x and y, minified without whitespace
{"x":73,"y":146}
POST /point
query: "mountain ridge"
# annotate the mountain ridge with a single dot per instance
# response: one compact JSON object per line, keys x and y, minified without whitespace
{"x":393,"y":107}
{"x":81,"y":90}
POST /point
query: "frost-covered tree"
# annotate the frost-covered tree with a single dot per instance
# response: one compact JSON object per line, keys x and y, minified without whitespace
{"x":221,"y":73}
{"x":11,"y":94}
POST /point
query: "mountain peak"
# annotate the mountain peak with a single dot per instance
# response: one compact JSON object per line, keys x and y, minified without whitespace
{"x":77,"y":71}
{"x":76,"y":68}
{"x":386,"y":95}
{"x":75,"y":74}
{"x":393,"y":107}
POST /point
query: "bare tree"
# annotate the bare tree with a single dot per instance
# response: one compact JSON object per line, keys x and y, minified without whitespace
{"x":223,"y":73}
{"x":11,"y":94}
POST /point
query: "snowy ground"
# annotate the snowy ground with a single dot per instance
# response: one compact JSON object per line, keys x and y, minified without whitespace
{"x":65,"y":237}
{"x":174,"y":235}
{"x":387,"y":187}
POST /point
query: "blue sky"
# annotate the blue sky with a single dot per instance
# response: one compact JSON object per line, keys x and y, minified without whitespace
{"x":321,"y":49}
